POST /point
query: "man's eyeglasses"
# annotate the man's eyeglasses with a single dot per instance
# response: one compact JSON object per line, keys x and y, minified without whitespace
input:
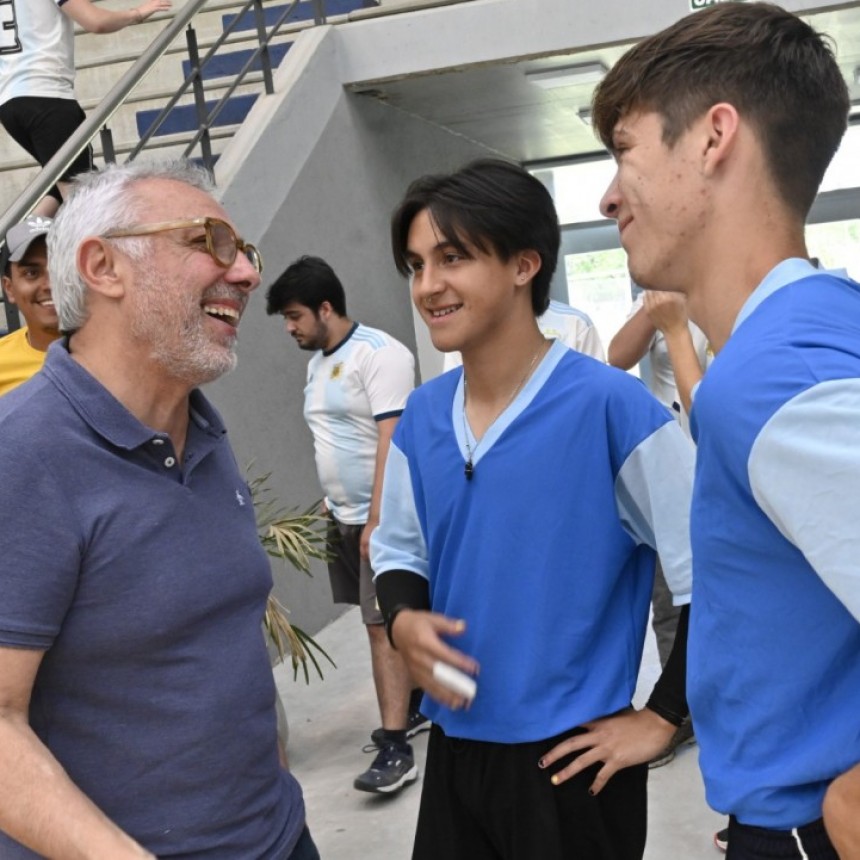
{"x":222,"y":243}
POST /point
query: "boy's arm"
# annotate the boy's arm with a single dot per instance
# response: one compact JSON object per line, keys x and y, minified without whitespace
{"x":96,"y":19}
{"x":632,"y":341}
{"x":668,"y":312}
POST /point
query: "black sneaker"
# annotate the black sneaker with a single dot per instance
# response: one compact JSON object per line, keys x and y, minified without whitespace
{"x":416,"y":723}
{"x":721,"y":839}
{"x":683,"y":735}
{"x":392,"y":769}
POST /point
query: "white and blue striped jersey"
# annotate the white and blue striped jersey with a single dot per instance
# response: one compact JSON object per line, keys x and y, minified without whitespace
{"x":366,"y":378}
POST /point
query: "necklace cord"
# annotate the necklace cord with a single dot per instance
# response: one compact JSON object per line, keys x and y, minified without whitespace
{"x":469,"y":468}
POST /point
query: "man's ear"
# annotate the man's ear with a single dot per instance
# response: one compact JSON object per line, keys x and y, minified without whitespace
{"x":721,"y":127}
{"x":102,"y":269}
{"x":7,"y":289}
{"x":528,"y":265}
{"x":325,"y":311}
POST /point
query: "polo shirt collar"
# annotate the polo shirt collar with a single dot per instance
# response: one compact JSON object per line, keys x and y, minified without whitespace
{"x":104,"y":413}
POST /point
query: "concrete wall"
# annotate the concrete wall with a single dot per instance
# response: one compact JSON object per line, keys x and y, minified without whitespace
{"x":323,"y":184}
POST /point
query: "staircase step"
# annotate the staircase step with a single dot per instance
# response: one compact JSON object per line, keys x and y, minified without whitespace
{"x":184,"y":117}
{"x":229,"y":65}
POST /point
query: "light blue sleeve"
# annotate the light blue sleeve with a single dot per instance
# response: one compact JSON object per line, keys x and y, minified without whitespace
{"x":653,"y":491}
{"x":397,"y":543}
{"x":804,"y":470}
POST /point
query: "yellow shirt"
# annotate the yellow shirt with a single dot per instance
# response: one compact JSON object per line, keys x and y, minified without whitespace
{"x":18,"y":360}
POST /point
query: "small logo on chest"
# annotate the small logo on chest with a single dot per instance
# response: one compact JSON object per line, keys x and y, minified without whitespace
{"x":336,"y":371}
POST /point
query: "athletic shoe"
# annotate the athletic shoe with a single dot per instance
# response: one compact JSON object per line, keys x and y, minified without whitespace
{"x":721,"y":839}
{"x":416,"y":723}
{"x":392,"y":769}
{"x":683,"y":735}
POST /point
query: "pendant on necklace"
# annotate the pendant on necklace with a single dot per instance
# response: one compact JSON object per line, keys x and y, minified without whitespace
{"x":468,"y":470}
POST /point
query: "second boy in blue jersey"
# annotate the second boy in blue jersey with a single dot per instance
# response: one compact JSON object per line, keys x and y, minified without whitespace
{"x":524,"y":497}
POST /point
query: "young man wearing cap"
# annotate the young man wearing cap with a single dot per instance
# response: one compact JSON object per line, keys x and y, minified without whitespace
{"x":26,"y":284}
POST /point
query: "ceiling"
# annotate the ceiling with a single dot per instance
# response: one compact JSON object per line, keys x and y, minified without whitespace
{"x":499,"y":107}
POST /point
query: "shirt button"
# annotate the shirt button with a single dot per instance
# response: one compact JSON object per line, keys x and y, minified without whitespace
{"x":158,"y":441}
{"x":170,"y":461}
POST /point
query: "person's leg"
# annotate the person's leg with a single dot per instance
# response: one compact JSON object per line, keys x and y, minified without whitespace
{"x":446,"y":826}
{"x":41,"y":126}
{"x":305,"y":848}
{"x":352,"y":582}
{"x":391,"y":679}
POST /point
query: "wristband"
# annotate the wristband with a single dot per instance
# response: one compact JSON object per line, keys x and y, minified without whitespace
{"x":389,"y":620}
{"x":668,"y":715}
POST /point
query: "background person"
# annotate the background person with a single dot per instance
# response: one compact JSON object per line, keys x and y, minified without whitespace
{"x":26,"y":284}
{"x":357,"y":384}
{"x":37,"y":75}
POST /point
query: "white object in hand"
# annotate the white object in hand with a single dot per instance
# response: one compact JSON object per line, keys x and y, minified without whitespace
{"x":455,"y":680}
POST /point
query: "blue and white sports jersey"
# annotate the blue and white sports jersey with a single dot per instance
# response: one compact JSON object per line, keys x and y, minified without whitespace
{"x":774,"y":653}
{"x":366,"y":378}
{"x":547,"y":553}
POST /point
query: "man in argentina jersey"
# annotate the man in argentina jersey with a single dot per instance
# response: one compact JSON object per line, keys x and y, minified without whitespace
{"x":357,"y":384}
{"x":711,"y":201}
{"x":524,"y":498}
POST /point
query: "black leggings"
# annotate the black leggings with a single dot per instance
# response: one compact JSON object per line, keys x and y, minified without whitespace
{"x":42,"y":125}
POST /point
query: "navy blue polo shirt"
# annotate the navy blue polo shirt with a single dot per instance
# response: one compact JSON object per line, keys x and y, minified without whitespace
{"x":144,"y":582}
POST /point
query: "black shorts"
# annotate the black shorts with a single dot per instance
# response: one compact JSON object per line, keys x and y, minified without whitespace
{"x":488,"y":801}
{"x":42,"y":125}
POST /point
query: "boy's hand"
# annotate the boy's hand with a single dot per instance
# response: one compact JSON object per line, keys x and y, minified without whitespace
{"x":667,"y":311}
{"x":418,"y":637}
{"x":619,"y":741}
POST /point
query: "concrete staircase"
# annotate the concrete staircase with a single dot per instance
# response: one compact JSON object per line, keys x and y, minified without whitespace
{"x":102,"y":59}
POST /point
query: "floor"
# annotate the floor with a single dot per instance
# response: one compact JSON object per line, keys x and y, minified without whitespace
{"x":330,"y":721}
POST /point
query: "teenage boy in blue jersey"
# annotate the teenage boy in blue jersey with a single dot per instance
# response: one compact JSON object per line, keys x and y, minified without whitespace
{"x":524,"y":497}
{"x":723,"y":126}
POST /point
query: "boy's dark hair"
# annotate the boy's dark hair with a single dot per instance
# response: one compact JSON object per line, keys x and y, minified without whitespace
{"x":495,"y":206}
{"x":308,"y":281}
{"x":777,"y":71}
